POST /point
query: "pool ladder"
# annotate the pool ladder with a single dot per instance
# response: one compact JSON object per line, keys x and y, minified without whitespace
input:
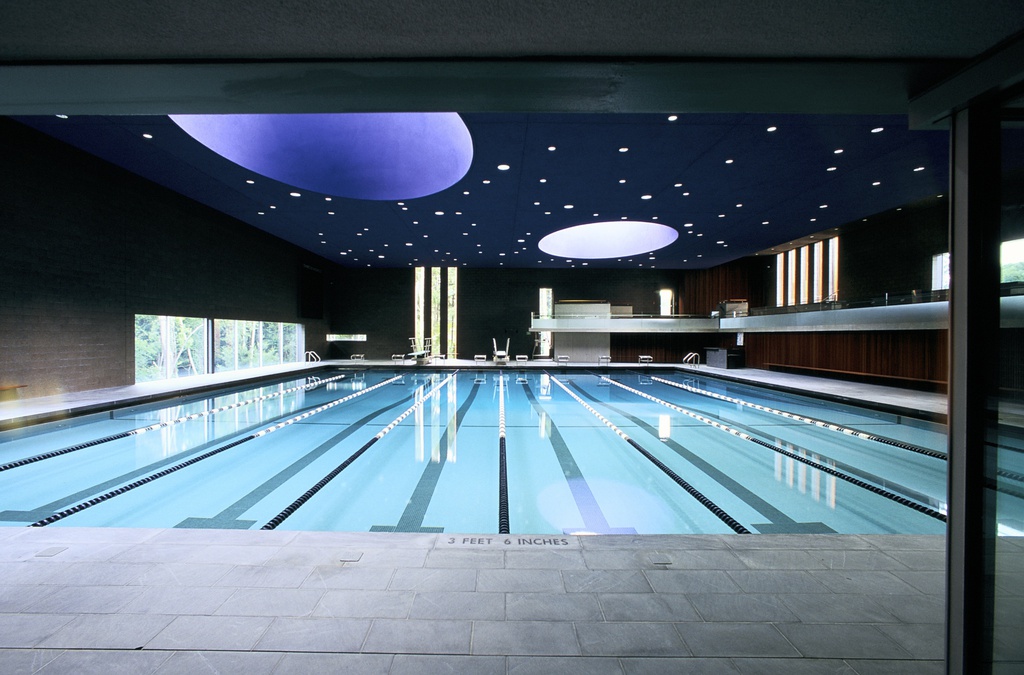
{"x":693,"y":358}
{"x":312,"y":356}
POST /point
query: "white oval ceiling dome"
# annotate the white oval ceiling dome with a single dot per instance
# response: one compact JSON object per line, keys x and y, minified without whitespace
{"x":610,"y":239}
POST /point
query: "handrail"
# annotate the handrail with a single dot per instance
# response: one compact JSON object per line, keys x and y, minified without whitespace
{"x":312,"y":357}
{"x":692,"y":358}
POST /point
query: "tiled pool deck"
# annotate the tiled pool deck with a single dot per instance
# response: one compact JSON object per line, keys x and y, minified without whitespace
{"x":83,"y":600}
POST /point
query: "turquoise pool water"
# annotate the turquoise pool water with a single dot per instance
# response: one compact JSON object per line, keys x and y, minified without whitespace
{"x":620,"y":452}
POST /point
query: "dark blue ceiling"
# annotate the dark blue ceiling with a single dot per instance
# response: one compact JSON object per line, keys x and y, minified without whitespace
{"x":738,"y":184}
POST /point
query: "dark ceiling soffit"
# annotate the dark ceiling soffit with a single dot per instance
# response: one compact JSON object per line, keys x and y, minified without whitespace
{"x":788,"y":86}
{"x":997,"y":71}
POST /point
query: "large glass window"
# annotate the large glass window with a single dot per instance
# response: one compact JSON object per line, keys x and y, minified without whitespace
{"x":175,"y":346}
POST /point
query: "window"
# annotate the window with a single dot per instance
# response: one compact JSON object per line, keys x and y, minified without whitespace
{"x":440,"y":318}
{"x":1011,"y":254}
{"x":547,"y":304}
{"x":810,"y":274}
{"x":665,"y":301}
{"x":940,"y":271}
{"x":173,"y":346}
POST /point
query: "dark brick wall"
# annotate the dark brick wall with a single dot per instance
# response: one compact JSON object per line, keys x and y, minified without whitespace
{"x":84,"y":246}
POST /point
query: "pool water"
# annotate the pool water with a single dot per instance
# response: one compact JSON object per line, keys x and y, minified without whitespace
{"x":419,"y":451}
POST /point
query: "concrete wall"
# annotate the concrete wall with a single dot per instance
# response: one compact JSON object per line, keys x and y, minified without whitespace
{"x":84,"y":246}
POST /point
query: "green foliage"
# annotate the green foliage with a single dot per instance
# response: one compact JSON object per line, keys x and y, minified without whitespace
{"x":1012,"y":272}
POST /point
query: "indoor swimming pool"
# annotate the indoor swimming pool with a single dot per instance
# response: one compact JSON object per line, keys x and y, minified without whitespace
{"x":485,"y":451}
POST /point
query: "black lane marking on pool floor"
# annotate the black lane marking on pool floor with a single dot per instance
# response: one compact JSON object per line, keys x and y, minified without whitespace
{"x":594,"y":519}
{"x":778,"y":521}
{"x":228,"y":518}
{"x":411,"y":519}
{"x":918,"y":506}
{"x":99,"y":499}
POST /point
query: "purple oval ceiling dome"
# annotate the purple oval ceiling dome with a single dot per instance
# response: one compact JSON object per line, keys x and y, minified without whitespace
{"x":359,"y":155}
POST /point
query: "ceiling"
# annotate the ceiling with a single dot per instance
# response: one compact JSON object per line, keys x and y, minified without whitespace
{"x":726,"y":184}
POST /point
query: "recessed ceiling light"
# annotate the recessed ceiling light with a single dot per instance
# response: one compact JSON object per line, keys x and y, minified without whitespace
{"x":415,"y":222}
{"x":686,"y":194}
{"x":623,"y":149}
{"x":438,"y":213}
{"x":320,"y":233}
{"x":322,"y":241}
{"x":260,"y":213}
{"x":503,"y":167}
{"x":486,"y":182}
{"x":823,"y":206}
{"x":147,"y":135}
{"x":764,"y":222}
{"x":327,"y":199}
{"x":551,"y":148}
{"x":920,"y":168}
{"x":622,"y":180}
{"x":673,"y":118}
{"x":728,"y":161}
{"x":543,"y":180}
{"x":521,"y":241}
{"x":678,"y":185}
{"x":595,"y":215}
{"x":547,"y":213}
{"x":400,"y":203}
{"x":405,"y":208}
{"x":721,"y":215}
{"x":408,"y":243}
{"x":295,"y":194}
{"x":272,"y":206}
{"x":719,"y":242}
{"x":623,"y":217}
{"x":772,"y":128}
{"x":465,"y":192}
{"x":877,"y":130}
{"x":654,"y":217}
{"x":687,"y":224}
{"x":877,"y":182}
{"x":458,"y":213}
{"x":645,"y":196}
{"x":739,"y":206}
{"x":251,"y":182}
{"x":330,"y":213}
{"x":837,"y":151}
{"x":831,"y":168}
{"x":814,"y":220}
{"x":700,"y":234}
{"x":63,"y":117}
{"x":567,"y":206}
{"x":536,"y":203}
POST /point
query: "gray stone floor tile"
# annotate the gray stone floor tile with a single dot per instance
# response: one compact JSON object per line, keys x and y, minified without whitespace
{"x":915,"y":608}
{"x":314,"y":635}
{"x":524,"y":581}
{"x":647,"y":607}
{"x":176,"y":600}
{"x":155,"y":553}
{"x":412,"y":636}
{"x":792,"y":667}
{"x":735,"y":639}
{"x":105,"y":573}
{"x":182,"y":574}
{"x":741,"y":607}
{"x":829,"y":608}
{"x":776,"y":581}
{"x":780,"y":559}
{"x":923,"y":641}
{"x":32,"y":572}
{"x":564,"y":665}
{"x":691,"y":581}
{"x":856,"y":560}
{"x":265,"y":576}
{"x":458,"y":605}
{"x":929,"y":583}
{"x":15,"y":599}
{"x":85,"y":599}
{"x":102,"y":662}
{"x":394,"y":557}
{"x":205,"y":537}
{"x":524,"y":638}
{"x":862,"y":582}
{"x":483,"y":559}
{"x":366,"y":540}
{"x":433,"y":579}
{"x":657,"y":542}
{"x":198,"y":633}
{"x":895,"y":542}
{"x":630,"y":639}
{"x":797,"y":541}
{"x":231,"y":555}
{"x":107,"y":631}
{"x":890,"y":667}
{"x":308,"y":556}
{"x":689,"y":665}
{"x":271,"y":602}
{"x":553,"y":607}
{"x":343,"y":576}
{"x":219,"y":663}
{"x":25,"y":661}
{"x":365,"y":604}
{"x":28,"y":630}
{"x":443,"y":664}
{"x":920,"y":560}
{"x":604,"y":581}
{"x":335,"y":664}
{"x":550,"y":560}
{"x":841,"y":641}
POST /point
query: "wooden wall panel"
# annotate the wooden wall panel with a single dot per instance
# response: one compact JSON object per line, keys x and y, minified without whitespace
{"x":665,"y":347}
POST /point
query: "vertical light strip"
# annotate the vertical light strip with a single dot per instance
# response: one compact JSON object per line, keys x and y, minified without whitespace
{"x":435,"y":310}
{"x":665,"y":301}
{"x":833,"y":268}
{"x":418,"y":284}
{"x":780,"y":279}
{"x":547,"y":305}
{"x":805,"y":275}
{"x":791,"y":277}
{"x":452,"y":347}
{"x":818,"y":254}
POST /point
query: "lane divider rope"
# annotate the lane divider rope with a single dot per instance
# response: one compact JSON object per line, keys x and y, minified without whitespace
{"x":927,"y":510}
{"x":216,"y":451}
{"x":503,"y":522}
{"x":807,"y":420}
{"x":160,"y":425}
{"x":694,"y":492}
{"x":308,"y":494}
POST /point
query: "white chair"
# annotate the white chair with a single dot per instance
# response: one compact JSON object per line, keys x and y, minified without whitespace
{"x":501,"y":356}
